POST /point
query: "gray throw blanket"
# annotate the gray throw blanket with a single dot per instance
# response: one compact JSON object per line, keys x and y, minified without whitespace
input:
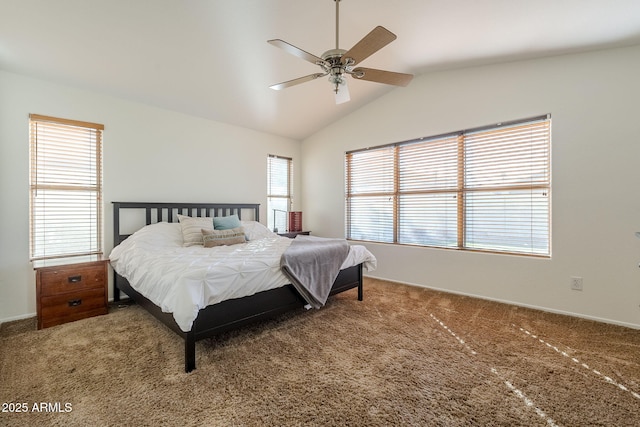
{"x":312,"y":264}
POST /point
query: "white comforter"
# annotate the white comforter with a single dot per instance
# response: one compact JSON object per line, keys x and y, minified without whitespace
{"x":183,"y":280}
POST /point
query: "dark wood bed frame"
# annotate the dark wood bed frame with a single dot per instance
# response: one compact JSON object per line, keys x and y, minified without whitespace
{"x":226,"y":315}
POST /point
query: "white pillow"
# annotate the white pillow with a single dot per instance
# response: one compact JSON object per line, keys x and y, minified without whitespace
{"x":192,"y":229}
{"x":254,"y":230}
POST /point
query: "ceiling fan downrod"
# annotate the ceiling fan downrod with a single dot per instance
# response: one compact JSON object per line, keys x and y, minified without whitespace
{"x":337,"y":23}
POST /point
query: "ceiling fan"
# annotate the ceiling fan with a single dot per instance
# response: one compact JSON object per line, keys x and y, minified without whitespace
{"x":337,"y":63}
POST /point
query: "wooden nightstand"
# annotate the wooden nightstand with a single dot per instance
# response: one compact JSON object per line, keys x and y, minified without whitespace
{"x":68,"y":290}
{"x":293,"y":234}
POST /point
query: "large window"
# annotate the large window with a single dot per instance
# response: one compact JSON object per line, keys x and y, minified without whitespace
{"x":65,"y":187}
{"x":279,"y":191}
{"x":480,"y":189}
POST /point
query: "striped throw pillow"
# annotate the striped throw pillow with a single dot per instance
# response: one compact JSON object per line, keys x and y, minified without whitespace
{"x":227,"y":237}
{"x":192,"y":229}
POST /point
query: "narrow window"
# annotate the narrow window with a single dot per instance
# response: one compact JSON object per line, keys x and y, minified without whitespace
{"x":480,"y":189}
{"x":65,"y":187}
{"x":279,"y":191}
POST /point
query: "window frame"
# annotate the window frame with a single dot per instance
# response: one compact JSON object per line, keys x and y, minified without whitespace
{"x":66,"y":180}
{"x":456,"y":182}
{"x":272,"y":195}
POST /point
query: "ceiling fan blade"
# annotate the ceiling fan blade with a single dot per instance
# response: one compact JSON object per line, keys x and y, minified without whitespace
{"x":381,"y":76}
{"x":296,"y":81}
{"x":378,"y":38}
{"x":296,"y":51}
{"x":342,"y":95}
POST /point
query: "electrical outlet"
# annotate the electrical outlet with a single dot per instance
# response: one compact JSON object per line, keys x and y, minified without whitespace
{"x":576,"y":283}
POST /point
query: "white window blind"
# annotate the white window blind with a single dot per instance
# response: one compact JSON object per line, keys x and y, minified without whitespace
{"x":482,"y":189}
{"x":427,"y":191}
{"x":507,"y":183}
{"x":370,"y":175}
{"x":279,"y":191}
{"x":65,"y":187}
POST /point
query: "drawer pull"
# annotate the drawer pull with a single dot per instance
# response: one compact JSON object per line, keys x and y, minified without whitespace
{"x":75,"y":279}
{"x":75,"y":302}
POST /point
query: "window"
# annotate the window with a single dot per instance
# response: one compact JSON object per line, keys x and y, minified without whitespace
{"x":279,"y":191}
{"x":65,"y":187}
{"x":481,"y":189}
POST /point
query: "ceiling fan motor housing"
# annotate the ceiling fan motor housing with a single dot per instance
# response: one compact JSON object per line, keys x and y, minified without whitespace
{"x":332,"y":63}
{"x":336,"y":67}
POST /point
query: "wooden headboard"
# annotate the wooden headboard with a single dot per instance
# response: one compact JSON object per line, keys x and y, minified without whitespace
{"x":158,"y":212}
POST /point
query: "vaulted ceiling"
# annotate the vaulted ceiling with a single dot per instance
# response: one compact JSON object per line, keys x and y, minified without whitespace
{"x":211,"y":59}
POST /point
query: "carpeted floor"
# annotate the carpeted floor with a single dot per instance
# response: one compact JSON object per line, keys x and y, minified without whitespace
{"x":403,"y":356}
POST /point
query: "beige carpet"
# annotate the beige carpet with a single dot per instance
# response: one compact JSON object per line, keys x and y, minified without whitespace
{"x":403,"y":356}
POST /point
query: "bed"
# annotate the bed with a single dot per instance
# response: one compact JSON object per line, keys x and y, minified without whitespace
{"x":228,"y":310}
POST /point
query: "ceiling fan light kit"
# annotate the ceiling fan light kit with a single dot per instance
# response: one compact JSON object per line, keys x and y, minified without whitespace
{"x":337,"y":63}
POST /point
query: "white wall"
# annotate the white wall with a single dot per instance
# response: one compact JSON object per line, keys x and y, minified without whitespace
{"x":149,"y":155}
{"x":593,"y":98}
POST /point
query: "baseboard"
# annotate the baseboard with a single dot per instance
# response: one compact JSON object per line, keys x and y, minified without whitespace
{"x":20,"y":317}
{"x":534,"y":307}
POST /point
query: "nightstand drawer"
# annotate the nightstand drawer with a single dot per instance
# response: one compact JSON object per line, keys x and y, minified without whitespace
{"x":72,"y":303}
{"x":72,"y":306}
{"x":62,"y":280}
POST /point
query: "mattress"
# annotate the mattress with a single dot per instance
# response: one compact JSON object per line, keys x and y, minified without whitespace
{"x":183,"y":280}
